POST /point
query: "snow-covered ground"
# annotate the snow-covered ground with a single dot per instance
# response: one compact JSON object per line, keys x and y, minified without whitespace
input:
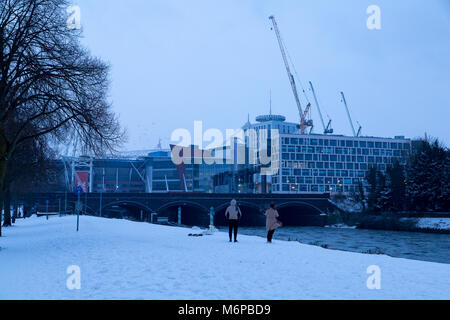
{"x":120,"y":259}
{"x":341,"y":226}
{"x":434,"y":223}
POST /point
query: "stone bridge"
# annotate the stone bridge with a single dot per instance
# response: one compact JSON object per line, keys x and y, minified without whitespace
{"x":195,"y":208}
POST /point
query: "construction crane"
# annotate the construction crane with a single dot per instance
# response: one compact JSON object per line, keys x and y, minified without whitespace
{"x":304,"y":123}
{"x":326,"y":129}
{"x":356,"y":134}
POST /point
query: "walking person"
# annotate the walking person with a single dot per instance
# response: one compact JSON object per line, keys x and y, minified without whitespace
{"x":272,"y":223}
{"x":233,"y":214}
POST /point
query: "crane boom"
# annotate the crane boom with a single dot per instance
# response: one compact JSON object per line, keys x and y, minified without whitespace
{"x":359,"y":131}
{"x":348,"y":114}
{"x":326,"y":129}
{"x":303,"y":122}
{"x":317,"y":104}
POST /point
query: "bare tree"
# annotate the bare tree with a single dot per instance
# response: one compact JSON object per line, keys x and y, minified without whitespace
{"x":49,"y":82}
{"x":30,"y":167}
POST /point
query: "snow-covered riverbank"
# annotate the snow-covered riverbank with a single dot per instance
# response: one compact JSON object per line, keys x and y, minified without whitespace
{"x":120,"y":259}
{"x":434,"y":224}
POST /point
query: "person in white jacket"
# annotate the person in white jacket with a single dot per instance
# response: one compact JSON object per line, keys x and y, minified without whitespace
{"x":233,"y":214}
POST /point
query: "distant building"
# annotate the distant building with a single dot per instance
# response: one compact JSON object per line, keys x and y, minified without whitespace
{"x":325,"y":163}
{"x":162,"y":175}
{"x":312,"y":163}
{"x":151,"y":172}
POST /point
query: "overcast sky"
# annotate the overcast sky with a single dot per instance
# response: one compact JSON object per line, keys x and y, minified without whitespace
{"x":174,"y":62}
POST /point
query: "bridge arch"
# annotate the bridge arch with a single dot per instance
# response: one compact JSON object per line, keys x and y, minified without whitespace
{"x":252,"y":214}
{"x":300,"y":213}
{"x":192,"y":213}
{"x":131,"y":210}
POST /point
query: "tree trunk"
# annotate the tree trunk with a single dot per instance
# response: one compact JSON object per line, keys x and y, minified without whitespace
{"x":5,"y":195}
{"x":2,"y":179}
{"x":16,"y":208}
{"x":1,"y":210}
{"x":7,"y":208}
{"x":2,"y":173}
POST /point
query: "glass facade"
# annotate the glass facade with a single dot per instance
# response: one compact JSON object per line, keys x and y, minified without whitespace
{"x":320,"y":163}
{"x":327,"y":163}
{"x":118,"y":176}
{"x":163,"y":175}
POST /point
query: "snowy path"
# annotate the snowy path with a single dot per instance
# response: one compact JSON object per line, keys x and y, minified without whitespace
{"x":127,"y":260}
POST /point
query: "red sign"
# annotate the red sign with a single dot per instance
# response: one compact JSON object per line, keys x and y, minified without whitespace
{"x":82,"y":180}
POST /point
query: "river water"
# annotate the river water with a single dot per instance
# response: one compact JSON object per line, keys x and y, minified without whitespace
{"x":409,"y":245}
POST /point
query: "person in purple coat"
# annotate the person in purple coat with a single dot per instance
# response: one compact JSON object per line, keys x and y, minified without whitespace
{"x":272,"y":222}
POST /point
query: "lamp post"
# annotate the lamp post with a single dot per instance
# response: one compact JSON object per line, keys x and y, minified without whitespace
{"x":78,"y":191}
{"x":211,"y":217}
